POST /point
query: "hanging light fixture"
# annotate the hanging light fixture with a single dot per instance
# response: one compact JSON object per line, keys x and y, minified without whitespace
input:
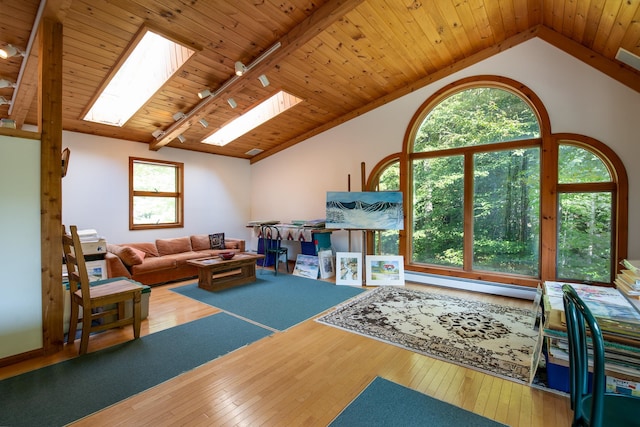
{"x":204,"y":93}
{"x":240,"y":68}
{"x":9,"y":51}
{"x":7,"y":83}
{"x":264,"y":80}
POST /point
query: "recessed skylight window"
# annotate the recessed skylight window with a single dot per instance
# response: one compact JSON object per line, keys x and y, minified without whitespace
{"x":151,"y":63}
{"x":265,"y":111}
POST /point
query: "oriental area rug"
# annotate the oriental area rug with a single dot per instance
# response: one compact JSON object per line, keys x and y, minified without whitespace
{"x":492,"y":338}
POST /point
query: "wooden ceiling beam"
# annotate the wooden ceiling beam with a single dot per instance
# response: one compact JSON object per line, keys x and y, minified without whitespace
{"x":27,"y":85}
{"x":312,"y":26}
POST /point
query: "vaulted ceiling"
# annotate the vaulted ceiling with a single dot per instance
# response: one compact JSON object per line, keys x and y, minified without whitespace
{"x":342,"y":57}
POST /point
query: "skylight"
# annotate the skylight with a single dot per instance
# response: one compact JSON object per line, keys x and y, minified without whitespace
{"x":265,"y":111}
{"x":151,"y":63}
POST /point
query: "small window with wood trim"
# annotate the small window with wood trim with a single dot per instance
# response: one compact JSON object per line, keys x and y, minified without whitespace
{"x":156,"y":196}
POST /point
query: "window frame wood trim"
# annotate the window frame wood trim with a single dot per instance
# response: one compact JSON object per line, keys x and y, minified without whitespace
{"x":549,"y":186}
{"x":179,"y":195}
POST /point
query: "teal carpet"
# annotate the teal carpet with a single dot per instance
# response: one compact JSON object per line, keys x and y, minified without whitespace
{"x":385,"y":403}
{"x":96,"y":380}
{"x":277,"y":302}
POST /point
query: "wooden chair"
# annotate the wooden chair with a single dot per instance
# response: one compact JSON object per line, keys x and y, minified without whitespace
{"x":272,"y":245}
{"x":595,"y":408}
{"x":101,"y":302}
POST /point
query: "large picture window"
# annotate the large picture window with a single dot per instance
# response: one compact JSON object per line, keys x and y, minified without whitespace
{"x":156,"y":194}
{"x":491,"y":194}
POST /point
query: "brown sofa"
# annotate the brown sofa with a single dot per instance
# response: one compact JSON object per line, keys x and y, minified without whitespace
{"x":164,"y":260}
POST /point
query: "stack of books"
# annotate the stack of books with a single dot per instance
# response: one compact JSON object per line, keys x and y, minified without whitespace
{"x":628,"y":280}
{"x":620,"y":323}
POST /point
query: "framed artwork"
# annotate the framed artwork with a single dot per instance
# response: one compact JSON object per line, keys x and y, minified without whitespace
{"x":66,"y":153}
{"x":306,"y":266}
{"x":385,"y":270}
{"x":367,"y":210}
{"x":325,"y":260}
{"x":349,"y":268}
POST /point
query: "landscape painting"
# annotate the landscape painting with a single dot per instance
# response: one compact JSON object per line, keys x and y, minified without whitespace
{"x":369,"y":210}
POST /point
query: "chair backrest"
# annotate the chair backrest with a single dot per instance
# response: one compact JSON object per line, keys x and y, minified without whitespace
{"x":270,"y":237}
{"x":76,"y":265}
{"x":578,"y":317}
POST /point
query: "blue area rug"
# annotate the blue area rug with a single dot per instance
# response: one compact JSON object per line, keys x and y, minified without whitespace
{"x":385,"y":403}
{"x":277,"y":302}
{"x":96,"y":380}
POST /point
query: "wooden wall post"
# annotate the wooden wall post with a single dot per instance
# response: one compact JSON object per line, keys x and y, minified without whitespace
{"x":50,"y":123}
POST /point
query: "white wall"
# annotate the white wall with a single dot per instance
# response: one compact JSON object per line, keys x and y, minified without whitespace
{"x":292,"y":184}
{"x":20,"y":280}
{"x":95,"y":192}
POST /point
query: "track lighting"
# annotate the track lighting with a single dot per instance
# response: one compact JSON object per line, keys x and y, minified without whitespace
{"x":4,"y":101}
{"x":240,"y":68}
{"x":203,"y":122}
{"x":264,"y":80}
{"x":9,"y":50}
{"x":6,"y":83}
{"x":181,"y":138}
{"x":157,"y":133}
{"x":204,"y":93}
{"x":207,"y":96}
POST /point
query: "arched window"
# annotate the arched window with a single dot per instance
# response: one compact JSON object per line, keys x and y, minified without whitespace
{"x":491,"y":194}
{"x":385,"y":177}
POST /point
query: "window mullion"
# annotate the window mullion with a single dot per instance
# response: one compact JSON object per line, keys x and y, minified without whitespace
{"x":468,"y":212}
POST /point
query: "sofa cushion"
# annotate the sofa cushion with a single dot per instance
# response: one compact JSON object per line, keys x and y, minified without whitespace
{"x":216,"y":241}
{"x":154,"y":264}
{"x":129,"y":256}
{"x":200,"y":242}
{"x":173,"y":246}
{"x":149,"y":248}
{"x":182,"y":258}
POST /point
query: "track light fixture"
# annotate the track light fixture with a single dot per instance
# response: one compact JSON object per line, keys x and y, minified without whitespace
{"x":204,"y":94}
{"x":232,"y":103}
{"x":264,"y":80}
{"x":181,"y":138}
{"x":157,"y":133}
{"x":7,"y":83}
{"x":9,"y":50}
{"x":203,"y":122}
{"x":4,"y":101}
{"x":240,"y":68}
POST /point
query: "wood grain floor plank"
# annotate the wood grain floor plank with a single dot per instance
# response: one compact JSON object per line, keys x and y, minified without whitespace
{"x":303,"y":376}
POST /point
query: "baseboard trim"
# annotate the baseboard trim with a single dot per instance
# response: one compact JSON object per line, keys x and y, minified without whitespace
{"x":493,"y":288}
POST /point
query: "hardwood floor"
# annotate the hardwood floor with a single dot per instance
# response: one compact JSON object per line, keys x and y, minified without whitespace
{"x":302,"y":377}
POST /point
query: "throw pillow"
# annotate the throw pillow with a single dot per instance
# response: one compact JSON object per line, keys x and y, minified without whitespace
{"x":128,"y":255}
{"x":217,"y":241}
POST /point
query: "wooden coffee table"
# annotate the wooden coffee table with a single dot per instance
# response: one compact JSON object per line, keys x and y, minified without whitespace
{"x":215,"y":273}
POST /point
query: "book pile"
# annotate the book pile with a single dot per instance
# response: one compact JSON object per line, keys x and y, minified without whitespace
{"x":617,"y":316}
{"x":628,"y":280}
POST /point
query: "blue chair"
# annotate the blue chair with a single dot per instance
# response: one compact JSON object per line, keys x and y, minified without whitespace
{"x":272,"y":246}
{"x":597,"y":407}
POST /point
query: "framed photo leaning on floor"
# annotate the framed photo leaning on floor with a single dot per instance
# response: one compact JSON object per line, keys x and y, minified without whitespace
{"x":349,"y":268}
{"x":325,"y":260}
{"x":385,"y":270}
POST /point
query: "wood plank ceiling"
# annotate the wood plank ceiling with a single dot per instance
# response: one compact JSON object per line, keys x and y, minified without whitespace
{"x":342,"y":57}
